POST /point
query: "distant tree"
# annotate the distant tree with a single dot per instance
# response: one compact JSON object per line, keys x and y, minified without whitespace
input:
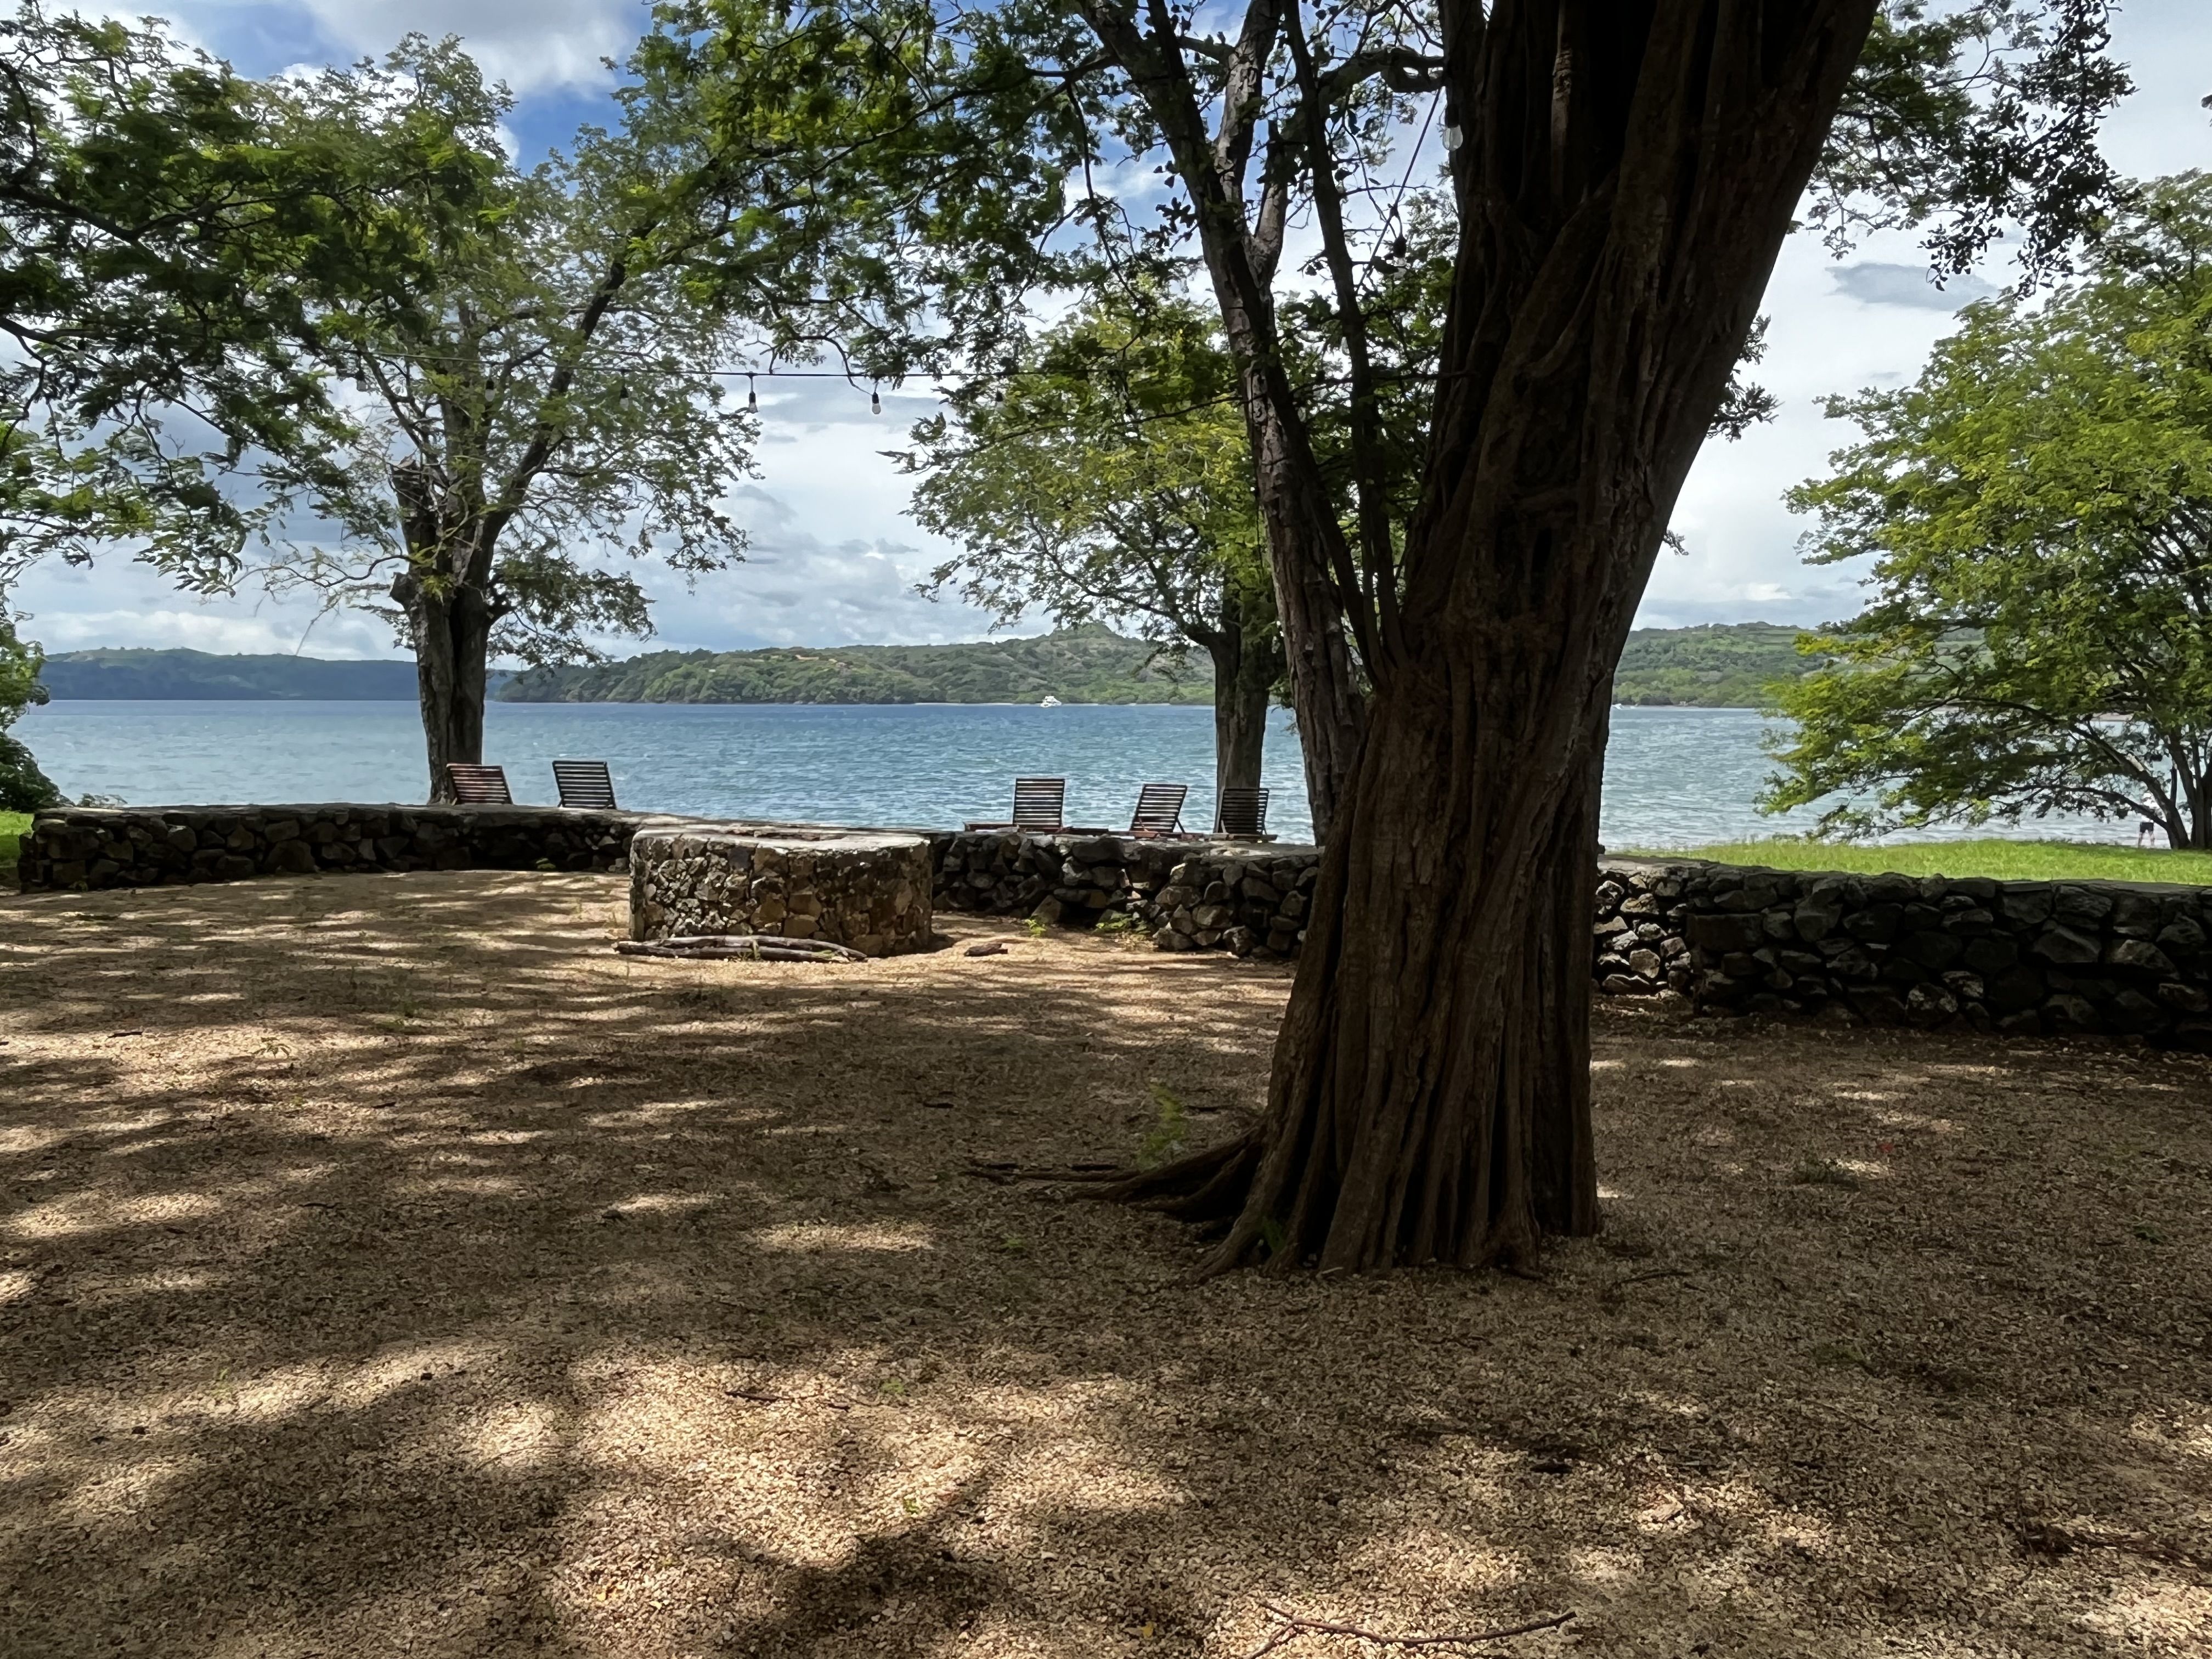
{"x":23,"y":787}
{"x":164,"y":228}
{"x":1104,"y":475}
{"x":2039,"y":507}
{"x":546,"y":396}
{"x":540,"y":400}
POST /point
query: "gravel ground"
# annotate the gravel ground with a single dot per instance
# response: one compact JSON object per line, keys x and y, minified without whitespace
{"x":386,"y":1268}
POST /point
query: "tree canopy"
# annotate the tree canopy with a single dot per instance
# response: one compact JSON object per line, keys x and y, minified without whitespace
{"x":1104,"y":476}
{"x":2038,"y":505}
{"x":168,"y":226}
{"x":23,"y":787}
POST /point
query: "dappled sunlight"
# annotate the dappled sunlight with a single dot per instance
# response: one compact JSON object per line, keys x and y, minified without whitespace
{"x":478,"y":1291}
{"x":811,"y":1238}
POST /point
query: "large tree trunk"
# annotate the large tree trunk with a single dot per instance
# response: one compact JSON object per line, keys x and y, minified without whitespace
{"x":1626,"y":182}
{"x":452,"y":637}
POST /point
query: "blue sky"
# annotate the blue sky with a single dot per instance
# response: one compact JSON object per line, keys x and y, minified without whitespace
{"x":834,"y":559}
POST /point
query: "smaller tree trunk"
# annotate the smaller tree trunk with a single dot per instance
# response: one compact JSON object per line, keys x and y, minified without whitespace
{"x":1239,"y":722}
{"x":1248,"y":663}
{"x":452,"y":629}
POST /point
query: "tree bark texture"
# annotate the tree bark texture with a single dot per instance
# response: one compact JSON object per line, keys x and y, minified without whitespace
{"x":453,"y":634}
{"x":1248,"y":660}
{"x":1627,"y":177}
{"x":442,"y":589}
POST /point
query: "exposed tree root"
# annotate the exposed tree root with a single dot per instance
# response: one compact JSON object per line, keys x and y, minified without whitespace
{"x":1206,"y":1185}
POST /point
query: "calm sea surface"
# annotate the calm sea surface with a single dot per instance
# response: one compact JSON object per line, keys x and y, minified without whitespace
{"x":1674,"y":777}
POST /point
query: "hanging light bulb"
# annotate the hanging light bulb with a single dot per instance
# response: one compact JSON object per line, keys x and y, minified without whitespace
{"x":752,"y":398}
{"x":875,"y":402}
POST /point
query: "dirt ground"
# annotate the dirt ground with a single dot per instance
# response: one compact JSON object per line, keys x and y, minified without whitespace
{"x":386,"y":1268}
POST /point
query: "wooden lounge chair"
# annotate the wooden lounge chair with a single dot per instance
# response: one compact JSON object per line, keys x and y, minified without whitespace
{"x":479,"y":786}
{"x":1242,"y":815}
{"x":1159,"y":809}
{"x":1039,"y":804}
{"x":586,"y":784}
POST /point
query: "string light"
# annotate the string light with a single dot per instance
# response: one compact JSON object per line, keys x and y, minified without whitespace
{"x":875,"y":402}
{"x":752,"y":398}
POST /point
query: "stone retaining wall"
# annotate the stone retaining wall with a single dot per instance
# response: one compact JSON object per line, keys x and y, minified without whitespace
{"x":1191,"y":896}
{"x":2124,"y":958}
{"x":103,"y":847}
{"x":2118,"y":957}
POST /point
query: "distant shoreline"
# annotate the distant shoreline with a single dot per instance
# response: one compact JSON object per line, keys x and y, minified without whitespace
{"x":755,"y":702}
{"x":1720,"y":666}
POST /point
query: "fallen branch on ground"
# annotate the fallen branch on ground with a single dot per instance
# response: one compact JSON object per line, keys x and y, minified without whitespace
{"x":739,"y":947}
{"x":1296,"y":1625}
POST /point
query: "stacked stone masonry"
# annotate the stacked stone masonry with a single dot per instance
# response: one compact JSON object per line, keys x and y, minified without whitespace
{"x":2119,"y":958}
{"x":869,"y":890}
{"x":1190,"y":896}
{"x":2113,"y":957}
{"x":154,"y":847}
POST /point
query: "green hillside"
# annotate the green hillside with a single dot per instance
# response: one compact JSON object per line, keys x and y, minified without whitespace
{"x":203,"y":676}
{"x":1077,"y":664}
{"x":1721,"y":665}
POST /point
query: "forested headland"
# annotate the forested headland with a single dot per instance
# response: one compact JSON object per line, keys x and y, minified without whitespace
{"x":1722,"y":666}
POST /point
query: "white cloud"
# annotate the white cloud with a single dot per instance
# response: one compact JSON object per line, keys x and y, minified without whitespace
{"x":531,"y":45}
{"x":1875,"y":284}
{"x":121,"y":602}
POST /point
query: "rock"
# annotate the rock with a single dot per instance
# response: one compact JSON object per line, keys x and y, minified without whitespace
{"x":1933,"y":951}
{"x":2182,"y":934}
{"x":2064,"y":947}
{"x":1721,"y":934}
{"x":2185,"y":999}
{"x":1875,"y":925}
{"x":2067,"y":1013}
{"x":2131,"y":1013}
{"x":993,"y":947}
{"x":291,"y":857}
{"x":2140,"y":956}
{"x":1929,"y":1005}
{"x":1991,"y":955}
{"x":1967,"y":988}
{"x":2082,"y":906}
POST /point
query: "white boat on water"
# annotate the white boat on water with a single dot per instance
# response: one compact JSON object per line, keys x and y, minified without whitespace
{"x":1049,"y":702}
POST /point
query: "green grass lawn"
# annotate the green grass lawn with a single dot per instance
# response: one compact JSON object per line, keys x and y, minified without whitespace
{"x":2008,"y":860}
{"x":12,"y":825}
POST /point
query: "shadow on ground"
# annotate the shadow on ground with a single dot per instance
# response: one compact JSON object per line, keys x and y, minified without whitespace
{"x":386,"y":1268}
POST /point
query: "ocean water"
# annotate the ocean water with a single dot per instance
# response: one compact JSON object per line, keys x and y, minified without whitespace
{"x":1674,"y":777}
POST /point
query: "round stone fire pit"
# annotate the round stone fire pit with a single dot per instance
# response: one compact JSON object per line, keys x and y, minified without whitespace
{"x":867,"y":890}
